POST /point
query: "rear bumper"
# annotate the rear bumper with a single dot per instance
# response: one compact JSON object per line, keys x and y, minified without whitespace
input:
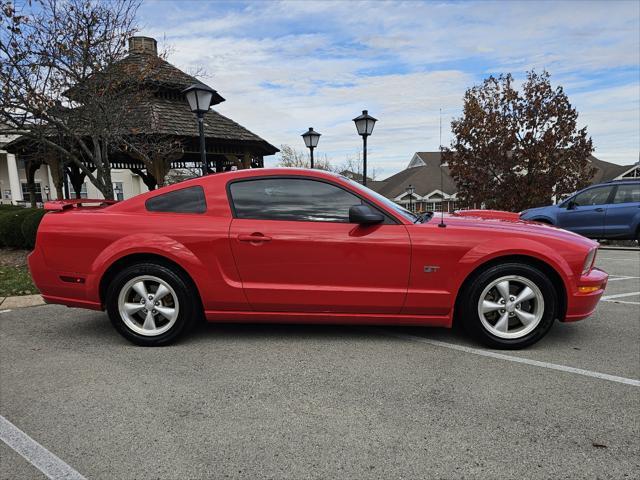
{"x":59,"y":287}
{"x":581,"y":304}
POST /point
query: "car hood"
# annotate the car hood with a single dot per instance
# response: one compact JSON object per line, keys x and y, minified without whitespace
{"x":537,"y":210}
{"x":510,"y":223}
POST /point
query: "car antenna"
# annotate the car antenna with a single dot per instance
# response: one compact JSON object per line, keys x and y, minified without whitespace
{"x":441,"y":224}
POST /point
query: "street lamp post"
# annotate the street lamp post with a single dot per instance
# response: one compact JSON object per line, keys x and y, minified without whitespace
{"x":364,"y":125}
{"x":200,"y":98}
{"x":410,"y":191}
{"x":311,"y":139}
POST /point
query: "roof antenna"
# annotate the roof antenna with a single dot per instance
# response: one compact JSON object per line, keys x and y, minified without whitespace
{"x":441,"y":224}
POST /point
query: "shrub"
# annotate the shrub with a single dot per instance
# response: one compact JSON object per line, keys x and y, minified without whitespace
{"x":30,"y":227}
{"x":11,"y":227}
{"x":4,"y":225}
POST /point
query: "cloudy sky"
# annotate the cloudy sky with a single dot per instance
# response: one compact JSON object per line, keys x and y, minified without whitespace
{"x":287,"y":66}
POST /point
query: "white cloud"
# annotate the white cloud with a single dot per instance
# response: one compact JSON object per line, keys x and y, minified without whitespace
{"x":285,"y":66}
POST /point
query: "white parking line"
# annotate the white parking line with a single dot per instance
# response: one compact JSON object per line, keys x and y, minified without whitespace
{"x":619,"y":295}
{"x":36,"y":454}
{"x":622,"y":301}
{"x":511,"y":358}
{"x":5,"y":311}
{"x":617,"y":279}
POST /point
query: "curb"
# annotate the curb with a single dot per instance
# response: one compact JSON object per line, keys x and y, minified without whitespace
{"x":10,"y":303}
{"x":621,"y":249}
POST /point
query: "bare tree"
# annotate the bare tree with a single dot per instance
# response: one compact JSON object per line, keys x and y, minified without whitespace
{"x":178,"y":175}
{"x":352,"y":167}
{"x":292,"y":158}
{"x":155,"y":153}
{"x":57,"y":86}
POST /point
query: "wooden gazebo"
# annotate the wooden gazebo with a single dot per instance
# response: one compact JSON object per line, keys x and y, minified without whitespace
{"x":162,"y":112}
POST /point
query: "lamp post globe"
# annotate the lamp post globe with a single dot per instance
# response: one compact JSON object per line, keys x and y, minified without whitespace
{"x":311,"y":139}
{"x":200,"y":98}
{"x":364,"y":125}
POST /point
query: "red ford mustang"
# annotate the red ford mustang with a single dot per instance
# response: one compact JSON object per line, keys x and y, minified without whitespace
{"x":284,"y":245}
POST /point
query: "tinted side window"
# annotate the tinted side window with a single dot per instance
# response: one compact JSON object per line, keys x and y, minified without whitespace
{"x":593,"y":196}
{"x":627,"y":193}
{"x":186,"y":200}
{"x":291,"y":199}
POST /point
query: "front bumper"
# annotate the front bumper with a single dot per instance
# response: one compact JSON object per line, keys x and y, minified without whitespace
{"x":585,"y":295}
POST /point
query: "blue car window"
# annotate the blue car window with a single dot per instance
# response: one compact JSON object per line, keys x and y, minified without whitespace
{"x":593,"y":196}
{"x":627,"y":193}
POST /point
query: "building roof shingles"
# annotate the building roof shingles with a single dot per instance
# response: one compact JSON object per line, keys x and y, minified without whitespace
{"x":173,"y":117}
{"x":426,"y":178}
{"x":163,"y":110}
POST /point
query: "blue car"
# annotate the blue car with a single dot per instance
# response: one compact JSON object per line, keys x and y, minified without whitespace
{"x":608,"y":210}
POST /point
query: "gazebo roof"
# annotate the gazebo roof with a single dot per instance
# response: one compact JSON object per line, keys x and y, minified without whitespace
{"x":168,"y":116}
{"x":161,"y":109}
{"x":144,"y":67}
{"x":156,"y":71}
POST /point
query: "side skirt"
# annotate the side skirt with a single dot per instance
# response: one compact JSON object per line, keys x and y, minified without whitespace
{"x":327,"y":318}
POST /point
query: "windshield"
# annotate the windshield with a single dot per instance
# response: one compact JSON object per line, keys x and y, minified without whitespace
{"x":403,"y":212}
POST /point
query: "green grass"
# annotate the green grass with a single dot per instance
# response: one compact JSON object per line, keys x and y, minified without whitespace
{"x":16,"y":281}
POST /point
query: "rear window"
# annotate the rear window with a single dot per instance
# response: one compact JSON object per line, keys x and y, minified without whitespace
{"x":627,"y":193}
{"x":185,"y":200}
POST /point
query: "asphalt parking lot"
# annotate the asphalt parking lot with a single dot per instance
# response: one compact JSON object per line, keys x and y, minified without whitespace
{"x":299,"y":402}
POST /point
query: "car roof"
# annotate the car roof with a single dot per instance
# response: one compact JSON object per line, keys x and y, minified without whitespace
{"x":261,"y":172}
{"x":222,"y":178}
{"x":621,"y":180}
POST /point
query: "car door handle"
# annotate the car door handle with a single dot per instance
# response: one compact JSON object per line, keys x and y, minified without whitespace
{"x":599,"y":209}
{"x":254,"y":238}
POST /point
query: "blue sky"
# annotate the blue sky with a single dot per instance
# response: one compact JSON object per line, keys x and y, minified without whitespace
{"x":286,"y":66}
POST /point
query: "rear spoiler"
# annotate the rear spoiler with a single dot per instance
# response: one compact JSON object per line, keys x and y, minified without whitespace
{"x":59,"y":205}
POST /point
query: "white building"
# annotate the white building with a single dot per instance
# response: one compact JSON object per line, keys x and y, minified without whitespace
{"x":13,"y":183}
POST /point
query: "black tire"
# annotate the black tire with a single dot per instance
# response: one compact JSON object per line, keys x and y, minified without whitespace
{"x":188,"y":311}
{"x":470,"y":298}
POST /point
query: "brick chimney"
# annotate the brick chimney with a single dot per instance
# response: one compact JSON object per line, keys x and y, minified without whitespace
{"x":143,"y":45}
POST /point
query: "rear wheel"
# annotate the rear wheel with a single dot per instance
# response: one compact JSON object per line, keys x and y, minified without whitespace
{"x":151,"y":304}
{"x":509,"y":306}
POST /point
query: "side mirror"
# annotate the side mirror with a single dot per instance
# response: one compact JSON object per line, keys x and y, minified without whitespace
{"x":364,"y":215}
{"x":571,"y":205}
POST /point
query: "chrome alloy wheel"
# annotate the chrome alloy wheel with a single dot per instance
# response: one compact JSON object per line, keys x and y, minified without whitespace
{"x":148,"y":305}
{"x":511,"y":307}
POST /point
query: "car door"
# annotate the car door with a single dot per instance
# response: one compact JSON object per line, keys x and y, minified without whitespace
{"x":297,"y":252}
{"x":585,"y":212}
{"x":621,"y":212}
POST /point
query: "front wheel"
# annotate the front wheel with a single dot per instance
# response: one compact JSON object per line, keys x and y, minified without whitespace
{"x":509,"y":306}
{"x":151,"y":304}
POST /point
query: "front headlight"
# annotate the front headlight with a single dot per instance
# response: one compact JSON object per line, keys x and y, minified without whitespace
{"x":589,"y":261}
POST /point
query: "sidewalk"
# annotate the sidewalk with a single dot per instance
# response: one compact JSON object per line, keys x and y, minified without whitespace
{"x":9,"y":303}
{"x":624,"y":249}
